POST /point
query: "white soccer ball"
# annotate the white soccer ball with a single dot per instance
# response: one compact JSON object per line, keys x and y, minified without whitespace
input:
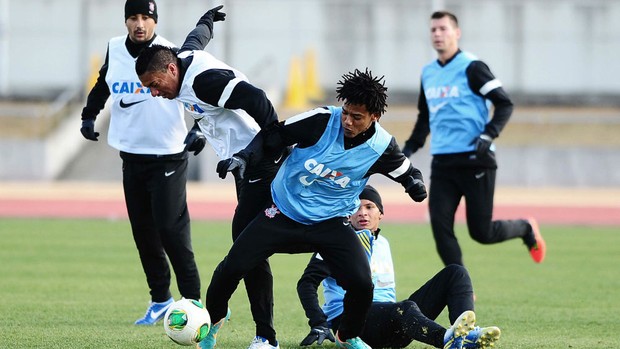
{"x":187,"y":322}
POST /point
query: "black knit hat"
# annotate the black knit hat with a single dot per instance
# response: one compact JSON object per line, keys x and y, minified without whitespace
{"x":371,"y":194}
{"x":142,"y":7}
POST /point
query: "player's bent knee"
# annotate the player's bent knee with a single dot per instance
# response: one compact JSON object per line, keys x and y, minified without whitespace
{"x":483,"y":239}
{"x":456,"y":270}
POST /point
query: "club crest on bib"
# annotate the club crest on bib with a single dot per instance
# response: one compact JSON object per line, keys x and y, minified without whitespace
{"x":272,"y":211}
{"x":193,"y":108}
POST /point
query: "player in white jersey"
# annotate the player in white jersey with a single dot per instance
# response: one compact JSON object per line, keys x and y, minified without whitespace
{"x":149,"y":133}
{"x":229,"y":111}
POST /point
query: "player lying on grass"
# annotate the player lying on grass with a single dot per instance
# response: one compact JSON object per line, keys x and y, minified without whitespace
{"x":392,"y":324}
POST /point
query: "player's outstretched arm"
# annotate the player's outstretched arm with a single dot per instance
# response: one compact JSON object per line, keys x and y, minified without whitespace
{"x":200,"y":36}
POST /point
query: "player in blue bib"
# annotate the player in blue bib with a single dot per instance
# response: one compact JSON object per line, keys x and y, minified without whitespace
{"x":455,"y":94}
{"x":315,"y":191}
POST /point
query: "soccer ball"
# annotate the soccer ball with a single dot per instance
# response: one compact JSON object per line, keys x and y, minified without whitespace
{"x":187,"y":322}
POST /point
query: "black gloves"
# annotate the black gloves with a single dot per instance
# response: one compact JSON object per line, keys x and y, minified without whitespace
{"x":231,"y":165}
{"x":416,"y":190}
{"x":195,"y":140}
{"x":88,"y":130}
{"x":317,"y":334}
{"x":482,"y":143}
{"x":408,"y":150}
{"x":213,"y":15}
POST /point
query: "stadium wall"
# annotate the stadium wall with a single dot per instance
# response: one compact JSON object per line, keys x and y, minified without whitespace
{"x":548,"y":48}
{"x":552,"y":51}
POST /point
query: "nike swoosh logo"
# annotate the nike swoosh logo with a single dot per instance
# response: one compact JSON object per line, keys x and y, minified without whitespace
{"x":168,"y":174}
{"x":346,"y":223}
{"x":304,"y":180}
{"x":278,"y":160}
{"x":156,"y":314}
{"x":127,"y":105}
{"x":435,"y":108}
{"x":254,"y":180}
{"x":479,"y":175}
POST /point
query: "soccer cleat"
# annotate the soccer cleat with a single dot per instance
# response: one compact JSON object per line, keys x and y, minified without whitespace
{"x":155,"y":312}
{"x":261,"y":343}
{"x":210,"y":340}
{"x":482,"y":338}
{"x":539,"y":249}
{"x":351,"y":343}
{"x":455,"y":335}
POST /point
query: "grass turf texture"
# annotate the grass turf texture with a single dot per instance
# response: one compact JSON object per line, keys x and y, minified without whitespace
{"x":79,"y":284}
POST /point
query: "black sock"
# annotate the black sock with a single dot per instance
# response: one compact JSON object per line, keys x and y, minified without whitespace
{"x":529,"y":239}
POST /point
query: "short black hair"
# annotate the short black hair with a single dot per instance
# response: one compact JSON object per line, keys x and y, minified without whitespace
{"x":442,"y":14}
{"x":155,"y":58}
{"x":361,"y":88}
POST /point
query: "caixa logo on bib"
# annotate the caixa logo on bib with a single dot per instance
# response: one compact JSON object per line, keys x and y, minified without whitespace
{"x":322,"y":172}
{"x":129,"y":87}
{"x":442,"y":92}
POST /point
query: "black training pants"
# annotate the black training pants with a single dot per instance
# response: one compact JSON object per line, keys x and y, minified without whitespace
{"x":252,"y":195}
{"x":272,"y":232}
{"x":477,"y":185}
{"x":155,"y":195}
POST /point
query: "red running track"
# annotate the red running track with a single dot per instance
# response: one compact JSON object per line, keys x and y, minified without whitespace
{"x":395,"y":211}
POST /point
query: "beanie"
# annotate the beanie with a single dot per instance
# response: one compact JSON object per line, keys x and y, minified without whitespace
{"x":371,"y":194}
{"x":143,"y":7}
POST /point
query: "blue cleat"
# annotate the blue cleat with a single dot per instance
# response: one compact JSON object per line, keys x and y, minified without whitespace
{"x":155,"y":312}
{"x":210,"y":340}
{"x":351,"y":343}
{"x":455,"y":335}
{"x":482,"y":338}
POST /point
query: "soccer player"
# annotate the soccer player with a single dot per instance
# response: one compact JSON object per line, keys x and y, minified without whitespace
{"x":392,"y":324}
{"x":316,"y":189}
{"x":452,"y":106}
{"x":149,"y":133}
{"x":229,"y":111}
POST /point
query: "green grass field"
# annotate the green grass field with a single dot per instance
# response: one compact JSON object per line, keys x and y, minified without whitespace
{"x":79,"y":284}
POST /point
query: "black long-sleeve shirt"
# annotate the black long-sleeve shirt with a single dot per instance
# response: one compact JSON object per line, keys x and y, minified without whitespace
{"x":316,"y":271}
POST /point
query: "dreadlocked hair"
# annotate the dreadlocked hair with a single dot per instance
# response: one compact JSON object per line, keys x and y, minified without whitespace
{"x":361,"y":88}
{"x":155,"y":58}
